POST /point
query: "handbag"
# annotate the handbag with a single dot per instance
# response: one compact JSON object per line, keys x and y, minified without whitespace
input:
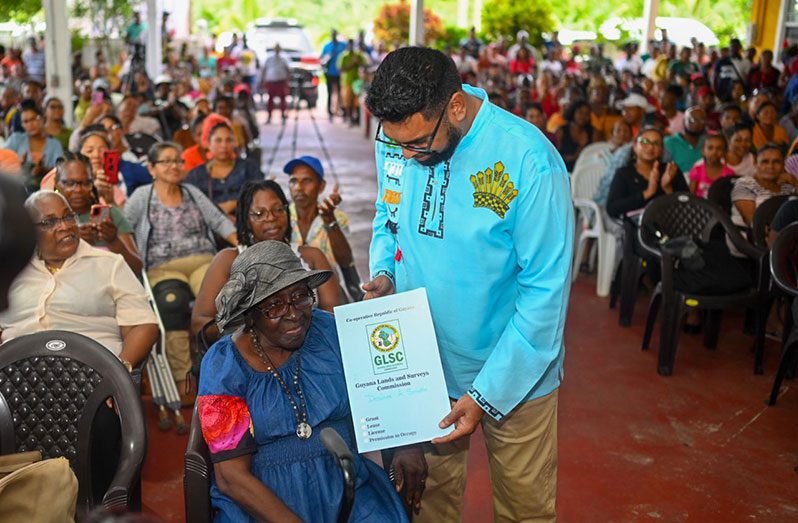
{"x":706,"y":268}
{"x":36,"y":490}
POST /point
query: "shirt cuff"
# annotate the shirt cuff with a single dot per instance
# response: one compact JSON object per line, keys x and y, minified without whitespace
{"x":387,"y":274}
{"x":485,"y":405}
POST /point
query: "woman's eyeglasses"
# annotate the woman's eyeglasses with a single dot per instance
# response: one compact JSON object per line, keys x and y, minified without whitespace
{"x":646,"y":141}
{"x":280,"y":308}
{"x":170,"y":163}
{"x":73,"y":184}
{"x":52,"y":223}
{"x":263,"y":214}
{"x":413,"y":148}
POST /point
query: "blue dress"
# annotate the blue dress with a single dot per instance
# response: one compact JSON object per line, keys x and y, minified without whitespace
{"x":243,"y":411}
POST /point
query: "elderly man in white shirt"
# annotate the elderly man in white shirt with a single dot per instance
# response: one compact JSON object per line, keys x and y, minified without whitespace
{"x":69,"y":285}
{"x":274,"y":75}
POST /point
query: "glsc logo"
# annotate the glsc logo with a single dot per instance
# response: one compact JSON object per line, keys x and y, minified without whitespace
{"x":385,"y":345}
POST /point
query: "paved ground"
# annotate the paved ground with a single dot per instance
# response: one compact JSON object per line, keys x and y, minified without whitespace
{"x":634,"y":447}
{"x":352,"y":161}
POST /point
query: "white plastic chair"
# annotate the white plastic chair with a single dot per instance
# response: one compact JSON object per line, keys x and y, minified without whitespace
{"x":590,"y":224}
{"x":591,"y":154}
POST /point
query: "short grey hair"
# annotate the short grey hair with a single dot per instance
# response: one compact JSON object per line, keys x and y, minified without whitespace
{"x":32,"y":202}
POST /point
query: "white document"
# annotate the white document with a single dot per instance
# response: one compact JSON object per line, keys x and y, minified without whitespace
{"x":393,"y":370}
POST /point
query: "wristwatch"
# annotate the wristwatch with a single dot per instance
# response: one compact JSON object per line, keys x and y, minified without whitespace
{"x":128,"y":366}
{"x":330,"y":226}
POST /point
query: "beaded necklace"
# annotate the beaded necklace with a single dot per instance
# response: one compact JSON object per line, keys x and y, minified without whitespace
{"x":303,"y":428}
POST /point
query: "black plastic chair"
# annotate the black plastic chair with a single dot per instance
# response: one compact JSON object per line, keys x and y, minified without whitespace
{"x":51,"y":385}
{"x":197,"y":475}
{"x":720,"y":191}
{"x":631,"y":271}
{"x":683,"y":214}
{"x":784,"y":270}
{"x":140,"y":143}
{"x":763,"y":217}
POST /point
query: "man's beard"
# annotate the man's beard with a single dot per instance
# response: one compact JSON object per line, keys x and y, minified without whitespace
{"x":441,"y":156}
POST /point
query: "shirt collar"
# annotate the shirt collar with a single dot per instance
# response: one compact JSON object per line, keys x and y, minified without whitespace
{"x":482,"y":115}
{"x":84,"y":251}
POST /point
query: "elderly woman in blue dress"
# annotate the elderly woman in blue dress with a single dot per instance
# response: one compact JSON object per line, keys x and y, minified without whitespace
{"x":267,"y":390}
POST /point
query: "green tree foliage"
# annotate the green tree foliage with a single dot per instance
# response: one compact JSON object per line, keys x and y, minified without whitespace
{"x":19,"y":10}
{"x":108,"y":17}
{"x":507,"y":17}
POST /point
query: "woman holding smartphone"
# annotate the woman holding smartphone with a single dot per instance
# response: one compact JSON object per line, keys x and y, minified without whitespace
{"x":103,"y":226}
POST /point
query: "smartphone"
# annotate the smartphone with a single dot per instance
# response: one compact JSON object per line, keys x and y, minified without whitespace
{"x":111,"y":166}
{"x":100,"y":213}
{"x":97,"y":98}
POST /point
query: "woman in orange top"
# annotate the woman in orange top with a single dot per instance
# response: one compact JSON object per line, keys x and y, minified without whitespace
{"x":197,"y":154}
{"x":767,"y":130}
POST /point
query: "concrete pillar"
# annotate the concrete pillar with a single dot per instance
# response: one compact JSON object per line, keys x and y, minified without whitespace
{"x":462,"y":12}
{"x":478,"y":15}
{"x":58,"y":55}
{"x":417,"y":22}
{"x":650,"y":11}
{"x":154,"y":51}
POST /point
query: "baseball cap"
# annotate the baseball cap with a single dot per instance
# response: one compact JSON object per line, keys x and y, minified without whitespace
{"x":242,"y":88}
{"x":163,"y":79}
{"x":704,"y":91}
{"x":636,"y":100}
{"x":310,"y":161}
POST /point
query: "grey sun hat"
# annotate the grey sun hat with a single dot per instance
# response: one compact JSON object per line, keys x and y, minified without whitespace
{"x":260,"y":271}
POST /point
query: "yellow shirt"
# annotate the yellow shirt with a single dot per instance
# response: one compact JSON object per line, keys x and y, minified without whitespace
{"x":780,"y":137}
{"x":94,"y":294}
{"x":317,"y":234}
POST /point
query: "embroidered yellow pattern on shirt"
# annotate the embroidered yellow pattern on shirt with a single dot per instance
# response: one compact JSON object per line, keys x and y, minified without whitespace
{"x":494,"y":190}
{"x":391,"y":197}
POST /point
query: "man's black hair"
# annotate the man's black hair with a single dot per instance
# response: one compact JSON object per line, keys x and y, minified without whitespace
{"x":29,"y":105}
{"x":570,"y":111}
{"x":675,"y":90}
{"x":412,"y":80}
{"x":17,"y":234}
{"x":730,"y":107}
{"x":245,"y":197}
{"x":223,"y":98}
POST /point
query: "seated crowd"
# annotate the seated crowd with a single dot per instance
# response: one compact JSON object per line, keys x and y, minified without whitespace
{"x":159,"y":186}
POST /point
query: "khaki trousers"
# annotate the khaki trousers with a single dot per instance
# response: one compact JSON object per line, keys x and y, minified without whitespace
{"x":190,"y":269}
{"x":522,"y":451}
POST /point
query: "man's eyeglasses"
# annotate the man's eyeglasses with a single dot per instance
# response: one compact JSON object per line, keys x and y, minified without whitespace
{"x":422,"y":150}
{"x":280,"y":308}
{"x":170,"y":163}
{"x":73,"y":184}
{"x":263,"y":214}
{"x":52,"y":223}
{"x":646,"y":141}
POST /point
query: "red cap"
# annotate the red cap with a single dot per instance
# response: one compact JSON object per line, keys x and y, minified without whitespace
{"x":704,"y":91}
{"x":242,"y":88}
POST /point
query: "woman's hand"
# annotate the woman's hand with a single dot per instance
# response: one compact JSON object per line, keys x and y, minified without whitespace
{"x":653,"y":182}
{"x":788,"y":179}
{"x":105,"y":189}
{"x":410,"y":475}
{"x":107,"y":231}
{"x":667,"y":178}
{"x":88,"y":233}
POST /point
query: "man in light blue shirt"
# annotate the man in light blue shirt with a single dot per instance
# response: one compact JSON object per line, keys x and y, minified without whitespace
{"x":474,"y":205}
{"x":329,"y":58}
